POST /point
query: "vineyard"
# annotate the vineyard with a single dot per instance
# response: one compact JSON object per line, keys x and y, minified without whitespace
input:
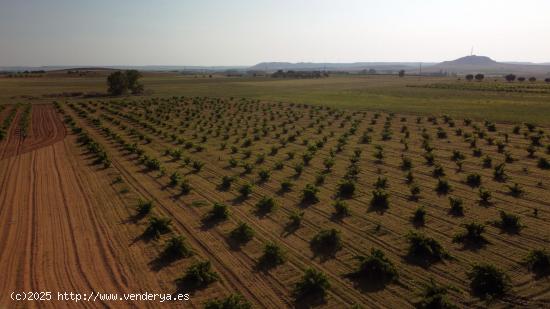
{"x":268,"y":204}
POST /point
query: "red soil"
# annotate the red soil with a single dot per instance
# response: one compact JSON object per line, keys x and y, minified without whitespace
{"x":60,"y":223}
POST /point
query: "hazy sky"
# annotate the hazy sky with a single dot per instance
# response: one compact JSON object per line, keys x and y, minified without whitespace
{"x":208,"y":32}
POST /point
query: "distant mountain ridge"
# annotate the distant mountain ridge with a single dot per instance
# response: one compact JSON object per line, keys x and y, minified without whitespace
{"x":465,"y":65}
{"x":330,"y":66}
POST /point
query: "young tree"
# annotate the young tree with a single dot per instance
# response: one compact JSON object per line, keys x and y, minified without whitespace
{"x":273,"y":255}
{"x":314,"y":283}
{"x":327,"y":242}
{"x":198,"y":276}
{"x":538,"y":261}
{"x":435,"y":296}
{"x":376,"y":267}
{"x":488,"y":281}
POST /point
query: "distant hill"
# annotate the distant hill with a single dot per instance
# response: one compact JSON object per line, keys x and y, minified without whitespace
{"x":482,"y":64}
{"x":471,"y":60}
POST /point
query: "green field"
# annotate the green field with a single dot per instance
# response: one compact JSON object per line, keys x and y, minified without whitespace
{"x":411,"y":94}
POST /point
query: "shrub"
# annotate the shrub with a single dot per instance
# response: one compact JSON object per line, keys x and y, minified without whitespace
{"x":198,"y":275}
{"x":381,"y":183}
{"x":443,"y":186}
{"x":233,"y":301}
{"x":430,"y":158}
{"x":290,"y":155}
{"x":487,"y":161}
{"x":197,"y":166}
{"x":406,"y":163}
{"x":273,"y":255}
{"x":379,"y":154}
{"x":499,"y":173}
{"x":346,"y":189}
{"x":477,"y":152}
{"x":233,"y":162}
{"x":473,"y":180}
{"x":153,"y":164}
{"x":441,"y":133}
{"x":509,"y":223}
{"x":314,"y":284}
{"x":326,"y":242}
{"x":376,"y":267}
{"x":379,"y":199}
{"x":508,"y":157}
{"x":245,"y":190}
{"x":286,"y":185}
{"x":260,"y":158}
{"x":264,"y":175}
{"x":306,"y":157}
{"x":538,"y":261}
{"x":438,"y":171}
{"x":488,"y":281}
{"x":472,"y":234}
{"x":278,"y":165}
{"x":516,"y":190}
{"x":266,"y":205}
{"x":328,"y":163}
{"x":309,"y":194}
{"x":435,"y":297}
{"x":295,"y":219}
{"x":341,"y":209}
{"x":226,"y":182}
{"x":457,"y":156}
{"x":219,"y":212}
{"x":274,"y":150}
{"x":543,"y":164}
{"x":456,"y":206}
{"x":298,"y":169}
{"x":424,"y":249}
{"x":158,"y":226}
{"x":248,"y":167}
{"x":185,"y":187}
{"x":176,"y":248}
{"x":144,"y":208}
{"x":243,"y":233}
{"x":484,"y":196}
{"x":415,"y":191}
{"x":419,"y":216}
{"x":174,"y":179}
{"x":320,"y":179}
